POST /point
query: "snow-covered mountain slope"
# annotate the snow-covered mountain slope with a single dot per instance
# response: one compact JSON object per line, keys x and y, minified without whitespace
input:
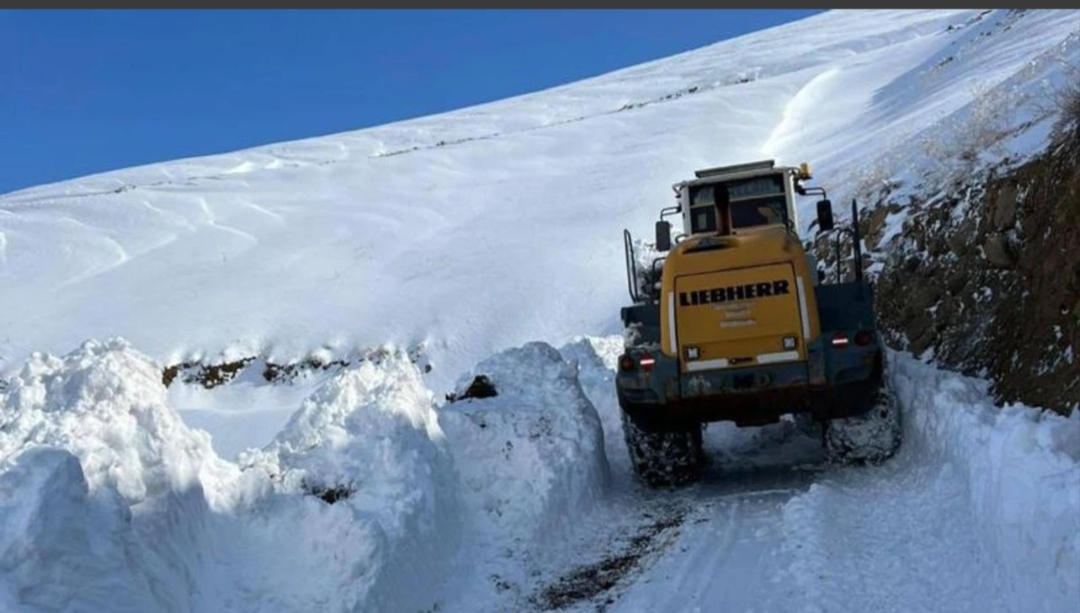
{"x":490,"y":226}
{"x":491,"y":235}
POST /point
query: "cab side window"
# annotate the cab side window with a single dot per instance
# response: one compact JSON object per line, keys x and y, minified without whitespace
{"x":702,"y":219}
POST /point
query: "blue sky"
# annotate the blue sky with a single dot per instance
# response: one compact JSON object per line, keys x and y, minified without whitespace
{"x":88,"y":91}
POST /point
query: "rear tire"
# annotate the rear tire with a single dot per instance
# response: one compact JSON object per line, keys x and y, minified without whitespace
{"x":870,"y":438}
{"x":664,"y":458}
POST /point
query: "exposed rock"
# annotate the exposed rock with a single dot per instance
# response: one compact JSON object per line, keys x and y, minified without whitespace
{"x":873,"y":226}
{"x":925,"y":295}
{"x":213,"y":375}
{"x":957,"y":284}
{"x":997,"y":252}
{"x":962,"y":239}
{"x":985,"y":274}
{"x":480,"y":387}
{"x":1005,"y":207}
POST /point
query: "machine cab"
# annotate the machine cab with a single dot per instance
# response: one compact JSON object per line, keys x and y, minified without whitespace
{"x":740,"y":199}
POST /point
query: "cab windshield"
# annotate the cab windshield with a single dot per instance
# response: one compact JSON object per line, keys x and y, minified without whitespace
{"x":758,"y":212}
{"x":755,"y":201}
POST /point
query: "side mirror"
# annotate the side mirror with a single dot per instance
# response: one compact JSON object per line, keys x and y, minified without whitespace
{"x":663,"y":236}
{"x":824,"y":215}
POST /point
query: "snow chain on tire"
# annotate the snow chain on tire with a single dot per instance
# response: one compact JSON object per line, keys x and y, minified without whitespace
{"x":664,"y":458}
{"x":869,"y":438}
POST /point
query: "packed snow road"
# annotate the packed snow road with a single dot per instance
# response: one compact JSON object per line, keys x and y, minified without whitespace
{"x":892,"y":538}
{"x":773,"y":528}
{"x":722,"y":551}
{"x":784,"y":533}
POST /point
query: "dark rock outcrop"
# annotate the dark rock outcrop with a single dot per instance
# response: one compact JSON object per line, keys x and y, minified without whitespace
{"x":984,"y":276}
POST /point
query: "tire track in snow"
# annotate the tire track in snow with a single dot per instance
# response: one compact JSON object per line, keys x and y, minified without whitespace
{"x":893,"y":538}
{"x":699,"y":567}
{"x":772,"y":529}
{"x":593,"y":581}
{"x":725,"y":549}
{"x":729,"y":555}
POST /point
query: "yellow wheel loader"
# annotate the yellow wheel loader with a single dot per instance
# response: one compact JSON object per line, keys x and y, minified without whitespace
{"x":733,"y":321}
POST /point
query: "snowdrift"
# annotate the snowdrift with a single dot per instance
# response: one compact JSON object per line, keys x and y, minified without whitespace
{"x":62,"y":545}
{"x":107,"y":492}
{"x":597,"y":358}
{"x":1023,"y":471}
{"x":106,"y":405}
{"x":109,"y":502}
{"x":531,"y":457}
{"x":369,"y":441}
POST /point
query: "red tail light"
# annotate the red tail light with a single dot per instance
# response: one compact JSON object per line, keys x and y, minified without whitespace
{"x":626,"y":363}
{"x":863,"y":338}
{"x":840,"y":340}
{"x":646,"y":361}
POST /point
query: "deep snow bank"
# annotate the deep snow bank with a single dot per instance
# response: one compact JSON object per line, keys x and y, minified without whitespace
{"x":1023,"y":471}
{"x":108,"y":501}
{"x":373,"y":435}
{"x":105,"y":404}
{"x":60,"y":543}
{"x":106,"y":491}
{"x":111,"y":503}
{"x":597,"y":358}
{"x":532,"y":457}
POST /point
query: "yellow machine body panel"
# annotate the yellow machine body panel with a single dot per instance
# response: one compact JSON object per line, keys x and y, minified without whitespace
{"x":737,"y":300}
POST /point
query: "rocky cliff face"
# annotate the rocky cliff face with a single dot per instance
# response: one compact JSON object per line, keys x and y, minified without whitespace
{"x":984,"y":276}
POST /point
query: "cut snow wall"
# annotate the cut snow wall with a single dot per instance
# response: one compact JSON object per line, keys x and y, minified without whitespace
{"x":111,"y":503}
{"x":531,"y":458}
{"x":1023,"y":470}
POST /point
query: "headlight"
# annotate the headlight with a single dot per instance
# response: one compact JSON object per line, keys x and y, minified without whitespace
{"x":789,"y":342}
{"x":691,"y":353}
